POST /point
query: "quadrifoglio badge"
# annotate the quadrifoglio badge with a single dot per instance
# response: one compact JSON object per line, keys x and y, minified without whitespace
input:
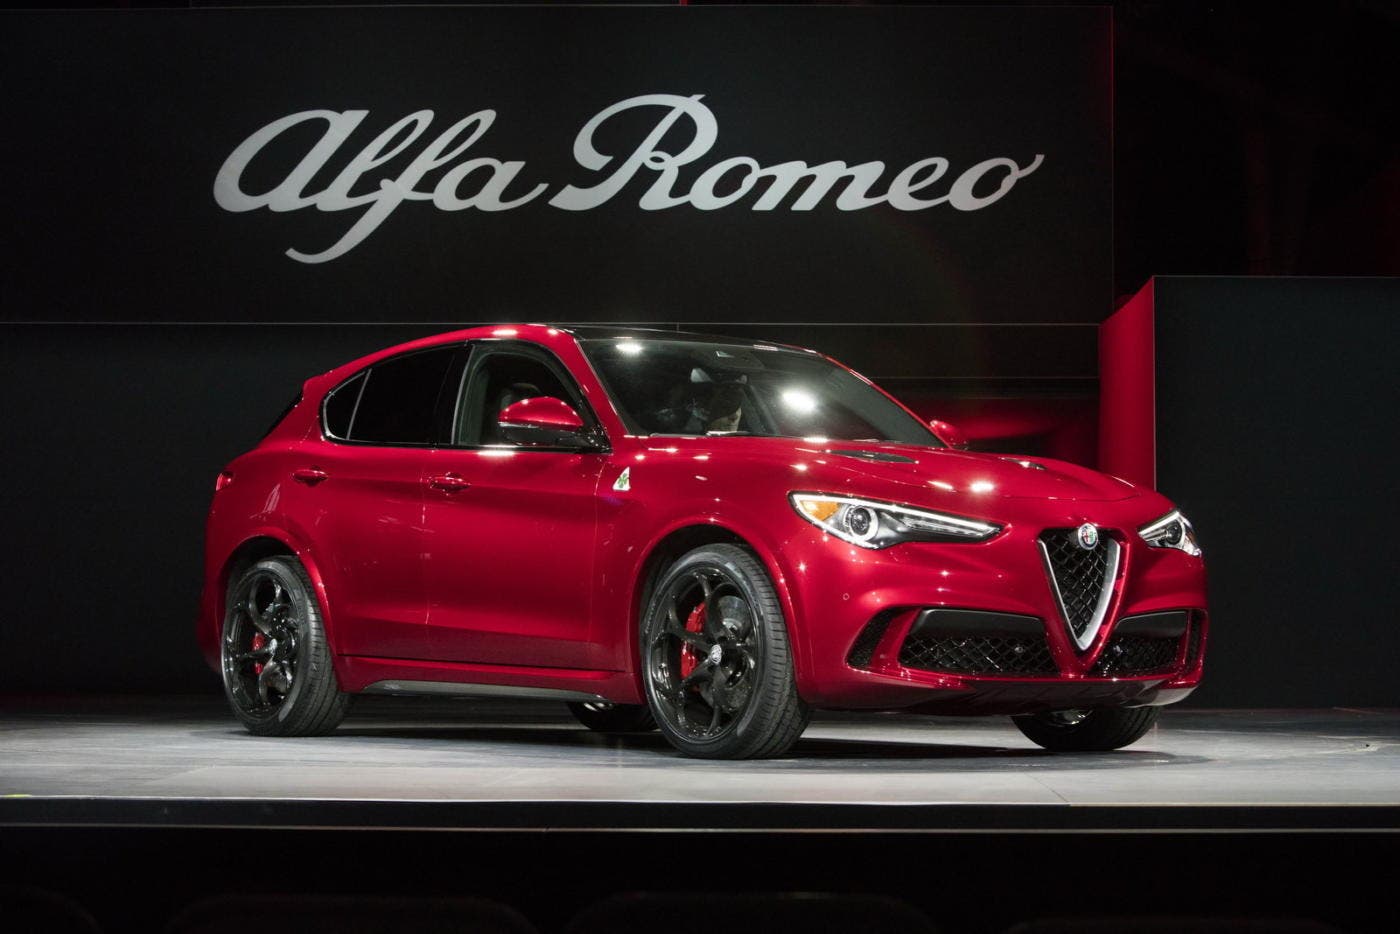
{"x":485,"y":183}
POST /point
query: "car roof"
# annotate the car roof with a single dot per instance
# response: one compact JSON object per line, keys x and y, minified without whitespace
{"x":546,"y":334}
{"x":542,"y":331}
{"x":612,"y":332}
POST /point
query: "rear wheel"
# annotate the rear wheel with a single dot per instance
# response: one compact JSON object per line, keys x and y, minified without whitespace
{"x":603,"y":717}
{"x":1098,"y":729}
{"x":274,"y":657}
{"x":716,"y":665}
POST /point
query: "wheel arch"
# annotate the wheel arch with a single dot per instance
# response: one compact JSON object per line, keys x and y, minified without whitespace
{"x":268,"y":543}
{"x":685,"y":537}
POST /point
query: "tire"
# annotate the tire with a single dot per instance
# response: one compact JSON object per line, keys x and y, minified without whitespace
{"x":276,"y":664}
{"x":717,"y":668}
{"x":614,"y":718}
{"x":1100,"y":729}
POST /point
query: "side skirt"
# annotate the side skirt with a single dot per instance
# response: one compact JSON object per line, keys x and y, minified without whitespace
{"x":453,"y":689}
{"x":359,"y":674}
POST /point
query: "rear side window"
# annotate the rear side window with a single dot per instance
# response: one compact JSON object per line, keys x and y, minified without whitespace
{"x":339,"y":410}
{"x":399,"y":398}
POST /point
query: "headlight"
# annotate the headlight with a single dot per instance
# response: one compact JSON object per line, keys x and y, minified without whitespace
{"x":1171,"y":531}
{"x":872,"y":524}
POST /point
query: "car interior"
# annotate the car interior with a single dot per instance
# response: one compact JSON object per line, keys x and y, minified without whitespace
{"x":499,"y":379}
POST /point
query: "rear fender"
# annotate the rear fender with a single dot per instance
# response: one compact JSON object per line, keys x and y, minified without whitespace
{"x":301,"y":550}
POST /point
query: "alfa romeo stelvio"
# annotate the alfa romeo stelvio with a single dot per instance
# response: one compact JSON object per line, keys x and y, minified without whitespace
{"x":705,"y":536}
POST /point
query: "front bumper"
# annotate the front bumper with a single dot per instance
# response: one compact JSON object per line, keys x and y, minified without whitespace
{"x":864,"y":640}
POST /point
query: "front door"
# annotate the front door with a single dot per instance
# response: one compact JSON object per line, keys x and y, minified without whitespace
{"x":510,"y":530}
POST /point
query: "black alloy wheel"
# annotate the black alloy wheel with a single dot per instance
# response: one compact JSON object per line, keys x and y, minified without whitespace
{"x":276,"y":664}
{"x":717,"y":668}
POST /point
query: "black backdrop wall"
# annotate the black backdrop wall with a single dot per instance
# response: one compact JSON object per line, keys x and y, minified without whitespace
{"x":1276,"y":433}
{"x":149,"y":332}
{"x":168,"y":283}
{"x":635,"y":164}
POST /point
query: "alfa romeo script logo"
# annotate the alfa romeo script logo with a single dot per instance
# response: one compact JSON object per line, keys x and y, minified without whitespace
{"x":488,"y":184}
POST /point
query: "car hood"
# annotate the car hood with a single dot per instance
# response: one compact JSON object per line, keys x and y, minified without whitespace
{"x":931,"y":476}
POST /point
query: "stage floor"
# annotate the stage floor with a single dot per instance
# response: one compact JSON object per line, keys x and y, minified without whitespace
{"x":408,"y":762}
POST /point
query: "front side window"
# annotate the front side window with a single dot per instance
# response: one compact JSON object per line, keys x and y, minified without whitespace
{"x":394,"y":401}
{"x":498,"y":379}
{"x":671,"y":387}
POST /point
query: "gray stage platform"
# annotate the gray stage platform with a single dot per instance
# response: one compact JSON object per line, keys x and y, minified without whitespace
{"x":470,"y":764}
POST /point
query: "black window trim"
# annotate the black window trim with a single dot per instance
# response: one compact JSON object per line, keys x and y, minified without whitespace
{"x":363,"y":376}
{"x":366,"y":372}
{"x":483,"y":349}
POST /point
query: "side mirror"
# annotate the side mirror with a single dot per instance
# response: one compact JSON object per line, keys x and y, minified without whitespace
{"x":950,"y":435}
{"x":543,"y":420}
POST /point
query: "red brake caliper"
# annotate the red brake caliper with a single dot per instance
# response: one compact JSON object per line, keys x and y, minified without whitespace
{"x":259,"y":640}
{"x":695,"y":622}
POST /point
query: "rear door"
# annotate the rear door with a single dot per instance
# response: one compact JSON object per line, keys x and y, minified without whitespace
{"x":366,"y":480}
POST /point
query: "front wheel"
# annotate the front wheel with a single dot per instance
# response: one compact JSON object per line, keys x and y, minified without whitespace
{"x":1099,"y":729}
{"x":716,"y":662}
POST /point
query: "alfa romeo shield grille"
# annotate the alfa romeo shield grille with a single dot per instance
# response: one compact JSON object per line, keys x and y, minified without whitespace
{"x":1082,"y":579}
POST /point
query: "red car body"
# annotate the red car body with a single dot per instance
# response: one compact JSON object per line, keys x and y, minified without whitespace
{"x":523,"y":571}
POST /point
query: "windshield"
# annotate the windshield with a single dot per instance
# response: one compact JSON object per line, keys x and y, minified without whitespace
{"x":673,"y":387}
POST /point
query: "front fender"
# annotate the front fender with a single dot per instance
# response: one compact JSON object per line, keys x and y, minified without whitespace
{"x":632,"y":530}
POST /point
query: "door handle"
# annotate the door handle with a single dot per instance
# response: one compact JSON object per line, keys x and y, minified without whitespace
{"x":448,"y":483}
{"x":309,"y":475}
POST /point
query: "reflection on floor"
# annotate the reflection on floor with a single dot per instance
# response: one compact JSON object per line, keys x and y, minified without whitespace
{"x":130,"y":814}
{"x":419,"y":750}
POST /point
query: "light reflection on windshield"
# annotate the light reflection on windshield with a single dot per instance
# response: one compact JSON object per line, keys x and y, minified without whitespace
{"x":673,"y":387}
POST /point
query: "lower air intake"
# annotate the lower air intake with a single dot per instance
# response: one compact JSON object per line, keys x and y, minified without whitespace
{"x":1136,"y":655}
{"x":978,"y":655}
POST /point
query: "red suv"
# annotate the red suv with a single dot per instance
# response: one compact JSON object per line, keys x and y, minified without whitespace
{"x":711,"y":537}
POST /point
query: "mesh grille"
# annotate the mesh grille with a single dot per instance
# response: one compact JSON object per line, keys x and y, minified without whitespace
{"x":1079,"y":573}
{"x":1136,"y":655}
{"x":863,"y":650}
{"x":978,"y":655}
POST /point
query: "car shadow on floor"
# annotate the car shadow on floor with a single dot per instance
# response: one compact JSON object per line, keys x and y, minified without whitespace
{"x":571,"y":742}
